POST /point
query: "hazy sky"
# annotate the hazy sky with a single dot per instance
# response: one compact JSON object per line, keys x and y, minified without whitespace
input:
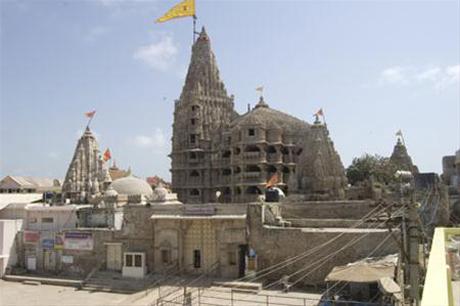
{"x":373,"y":66}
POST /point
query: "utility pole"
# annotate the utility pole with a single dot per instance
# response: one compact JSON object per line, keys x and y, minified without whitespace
{"x":410,"y":235}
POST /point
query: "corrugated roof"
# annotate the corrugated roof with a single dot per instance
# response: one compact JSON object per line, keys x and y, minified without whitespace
{"x":32,"y":181}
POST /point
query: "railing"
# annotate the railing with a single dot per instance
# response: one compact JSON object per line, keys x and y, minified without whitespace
{"x":251,"y":155}
{"x":251,"y":174}
{"x":234,"y":297}
{"x":274,"y":158}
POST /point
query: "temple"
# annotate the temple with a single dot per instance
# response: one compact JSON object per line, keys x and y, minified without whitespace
{"x":85,"y":174}
{"x":221,"y":156}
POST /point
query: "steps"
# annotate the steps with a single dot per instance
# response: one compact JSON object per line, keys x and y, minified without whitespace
{"x":34,"y":280}
{"x":243,"y":286}
{"x":108,"y":281}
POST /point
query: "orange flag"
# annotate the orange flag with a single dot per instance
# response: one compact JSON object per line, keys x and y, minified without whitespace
{"x":272,"y":181}
{"x":319,"y":113}
{"x":106,"y":156}
{"x":90,"y":114}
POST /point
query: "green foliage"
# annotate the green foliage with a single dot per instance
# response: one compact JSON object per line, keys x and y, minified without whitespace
{"x":362,"y":168}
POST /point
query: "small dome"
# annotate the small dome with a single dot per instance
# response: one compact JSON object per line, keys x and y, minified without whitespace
{"x":131,"y":185}
{"x":110,"y":192}
{"x":160,"y":193}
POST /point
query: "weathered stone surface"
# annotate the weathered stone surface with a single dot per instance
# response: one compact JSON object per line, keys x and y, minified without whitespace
{"x":85,"y":172}
{"x":218,"y":155}
{"x":401,"y":159}
{"x":319,"y":171}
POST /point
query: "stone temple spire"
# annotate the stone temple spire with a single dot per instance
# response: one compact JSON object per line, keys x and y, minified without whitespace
{"x":401,"y":159}
{"x":85,"y":170}
{"x":320,"y":174}
{"x":202,"y":112}
{"x":203,"y":74}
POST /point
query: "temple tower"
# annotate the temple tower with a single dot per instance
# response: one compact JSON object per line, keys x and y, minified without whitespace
{"x":84,"y":175}
{"x":401,"y":159}
{"x":202,"y":113}
{"x":320,"y":174}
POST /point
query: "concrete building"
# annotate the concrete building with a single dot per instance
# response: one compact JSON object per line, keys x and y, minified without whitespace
{"x":442,"y":280}
{"x":8,"y":251}
{"x":28,"y":184}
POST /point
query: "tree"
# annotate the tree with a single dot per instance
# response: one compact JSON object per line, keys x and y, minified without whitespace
{"x":362,"y":168}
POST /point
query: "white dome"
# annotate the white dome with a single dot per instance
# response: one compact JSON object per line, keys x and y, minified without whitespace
{"x":131,"y":185}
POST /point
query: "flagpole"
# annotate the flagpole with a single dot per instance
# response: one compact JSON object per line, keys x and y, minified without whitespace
{"x":89,"y":121}
{"x":194,"y":28}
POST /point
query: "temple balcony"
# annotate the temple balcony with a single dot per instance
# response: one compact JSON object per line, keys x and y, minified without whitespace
{"x":255,"y":157}
{"x":274,"y":158}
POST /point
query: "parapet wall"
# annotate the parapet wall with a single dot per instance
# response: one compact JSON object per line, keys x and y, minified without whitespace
{"x":274,"y":245}
{"x":326,"y":209}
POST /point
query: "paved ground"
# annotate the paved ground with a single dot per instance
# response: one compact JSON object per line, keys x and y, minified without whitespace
{"x":18,"y":294}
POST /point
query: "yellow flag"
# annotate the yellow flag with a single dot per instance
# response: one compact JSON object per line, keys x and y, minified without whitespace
{"x":183,"y":9}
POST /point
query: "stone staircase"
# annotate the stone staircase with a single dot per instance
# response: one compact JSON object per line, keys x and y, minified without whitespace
{"x":110,"y":281}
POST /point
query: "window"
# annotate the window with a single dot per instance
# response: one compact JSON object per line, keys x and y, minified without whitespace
{"x":166,"y":256}
{"x":231,"y":258}
{"x":47,"y":220}
{"x":133,"y":260}
{"x":194,"y":192}
{"x":197,"y":259}
{"x":192,"y":138}
{"x":193,"y":121}
{"x":251,"y":132}
{"x":129,"y":260}
{"x":138,"y":260}
{"x":192,"y":155}
{"x":194,"y":173}
{"x":32,"y":220}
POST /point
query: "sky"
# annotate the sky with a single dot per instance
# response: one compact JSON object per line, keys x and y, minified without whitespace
{"x":373,"y":66}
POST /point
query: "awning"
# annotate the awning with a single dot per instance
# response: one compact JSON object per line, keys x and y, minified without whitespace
{"x":369,"y":270}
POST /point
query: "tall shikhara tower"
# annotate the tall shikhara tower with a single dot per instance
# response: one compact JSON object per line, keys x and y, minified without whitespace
{"x":202,"y":113}
{"x":85,"y":170}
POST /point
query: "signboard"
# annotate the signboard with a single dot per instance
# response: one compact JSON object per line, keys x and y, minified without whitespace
{"x":67,"y":259}
{"x":78,"y":241}
{"x":59,"y":242}
{"x":31,"y":236}
{"x":48,"y":244}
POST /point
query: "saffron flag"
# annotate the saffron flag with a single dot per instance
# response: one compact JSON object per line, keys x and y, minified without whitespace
{"x":183,"y":9}
{"x":260,"y":89}
{"x":106,"y":156}
{"x":319,"y":113}
{"x":90,"y":114}
{"x":399,"y":133}
{"x":272,"y":181}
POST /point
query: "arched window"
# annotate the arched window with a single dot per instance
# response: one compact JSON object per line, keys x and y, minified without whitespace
{"x":271,"y":149}
{"x":252,"y":168}
{"x":194,"y":192}
{"x":226,"y":154}
{"x":237,"y":190}
{"x":253,"y":190}
{"x":194,"y":173}
{"x":271,"y":169}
